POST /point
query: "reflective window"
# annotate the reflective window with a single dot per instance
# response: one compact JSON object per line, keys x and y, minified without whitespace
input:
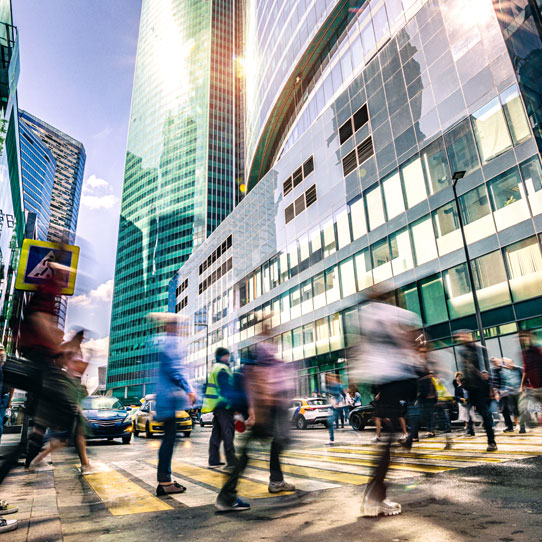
{"x":283,"y":267}
{"x":293,"y":259}
{"x":336,"y":336}
{"x":348,"y":278}
{"x":436,"y":166}
{"x":304,"y":254}
{"x":407,"y":298}
{"x":363,"y":265}
{"x":274,"y":272}
{"x":458,"y":291}
{"x":333,"y":292}
{"x":357,"y":217}
{"x":319,"y":291}
{"x":343,"y":229}
{"x":275,"y":308}
{"x":401,"y":252}
{"x":375,"y":208}
{"x":413,"y":181}
{"x":285,"y":307}
{"x":524,"y":264}
{"x":297,"y":338}
{"x":328,"y":230}
{"x":295,"y":302}
{"x":367,"y":32}
{"x":446,"y":223}
{"x":395,"y":11}
{"x":515,"y":115}
{"x":433,"y":300}
{"x":507,"y":199}
{"x":381,"y":261}
{"x":322,"y":336}
{"x":266,"y":278}
{"x":380,"y":21}
{"x":491,"y":131}
{"x":287,"y":346}
{"x":423,"y":239}
{"x":476,"y":214}
{"x":461,"y":148}
{"x":315,"y":240}
{"x":309,"y":340}
{"x":490,"y":281}
{"x":306,"y":297}
{"x":532,"y":175}
{"x":393,"y":195}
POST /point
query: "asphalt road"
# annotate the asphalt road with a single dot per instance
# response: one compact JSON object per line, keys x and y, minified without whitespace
{"x":462,"y":494}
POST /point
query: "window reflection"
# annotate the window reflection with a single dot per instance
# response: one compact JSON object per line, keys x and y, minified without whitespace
{"x":446,"y":223}
{"x":436,"y":166}
{"x":393,"y":195}
{"x":375,"y":208}
{"x":461,"y":148}
{"x":328,"y":230}
{"x":490,"y":281}
{"x":491,"y":130}
{"x":524,"y":264}
{"x":476,"y":214}
{"x":407,"y":298}
{"x":423,"y":239}
{"x":348,"y":278}
{"x":458,"y":291}
{"x":413,"y":181}
{"x":515,"y":115}
{"x":401,"y":252}
{"x":333,"y":292}
{"x":433,"y":300}
{"x":343,"y":229}
{"x":357,"y":217}
{"x":532,"y":175}
{"x":364,"y":272}
{"x":381,"y":261}
{"x":319,"y":290}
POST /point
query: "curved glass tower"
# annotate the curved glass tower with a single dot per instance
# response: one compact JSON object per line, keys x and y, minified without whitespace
{"x":179,"y":173}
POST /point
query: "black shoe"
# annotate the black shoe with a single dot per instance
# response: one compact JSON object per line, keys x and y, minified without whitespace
{"x":175,"y":487}
{"x":492,"y":447}
{"x":509,"y":430}
{"x":216,"y":465}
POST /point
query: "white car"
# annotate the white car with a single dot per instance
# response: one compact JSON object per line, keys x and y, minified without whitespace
{"x":206,"y":419}
{"x":309,"y":411}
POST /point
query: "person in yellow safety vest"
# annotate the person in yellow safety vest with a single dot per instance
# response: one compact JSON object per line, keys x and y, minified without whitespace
{"x":218,"y":393}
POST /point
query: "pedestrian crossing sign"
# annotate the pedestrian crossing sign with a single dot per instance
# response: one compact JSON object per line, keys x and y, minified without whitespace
{"x":35,"y":265}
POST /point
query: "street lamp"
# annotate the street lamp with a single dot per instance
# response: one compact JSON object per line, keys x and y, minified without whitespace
{"x":457,"y":176}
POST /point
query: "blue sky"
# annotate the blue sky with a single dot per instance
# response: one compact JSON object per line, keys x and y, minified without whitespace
{"x":77,"y":64}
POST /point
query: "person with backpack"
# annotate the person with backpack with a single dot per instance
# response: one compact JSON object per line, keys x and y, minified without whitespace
{"x":218,"y":399}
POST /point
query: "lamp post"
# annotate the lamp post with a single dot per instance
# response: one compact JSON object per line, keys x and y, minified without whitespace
{"x":457,"y":176}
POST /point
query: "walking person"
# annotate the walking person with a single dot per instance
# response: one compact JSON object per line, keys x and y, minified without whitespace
{"x":218,"y":399}
{"x":268,"y":383}
{"x":173,"y":392}
{"x":531,"y":382}
{"x":6,"y":392}
{"x":471,"y":358}
{"x":333,"y":390}
{"x":501,"y":392}
{"x":513,"y":376}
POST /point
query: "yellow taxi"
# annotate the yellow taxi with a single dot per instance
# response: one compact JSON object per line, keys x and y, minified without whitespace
{"x":144,"y":421}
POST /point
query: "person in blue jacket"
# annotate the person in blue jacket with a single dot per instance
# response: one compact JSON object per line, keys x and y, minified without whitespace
{"x":173,"y":392}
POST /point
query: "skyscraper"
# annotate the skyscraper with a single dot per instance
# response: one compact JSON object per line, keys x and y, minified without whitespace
{"x":179,"y":180}
{"x":38,"y":167}
{"x":70,"y":158}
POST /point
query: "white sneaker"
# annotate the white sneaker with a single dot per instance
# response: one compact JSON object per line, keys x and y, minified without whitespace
{"x":88,"y":469}
{"x":376,"y":439}
{"x":372,"y":509}
{"x":330,"y":443}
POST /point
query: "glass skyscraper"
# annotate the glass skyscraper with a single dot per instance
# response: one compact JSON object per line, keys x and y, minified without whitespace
{"x":179,"y":180}
{"x":38,"y":167}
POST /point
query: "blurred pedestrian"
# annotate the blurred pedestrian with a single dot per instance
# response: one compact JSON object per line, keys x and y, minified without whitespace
{"x":531,"y":382}
{"x":333,"y":390}
{"x":465,"y":413}
{"x":513,"y":376}
{"x":218,"y":398}
{"x":442,"y":417}
{"x":388,"y":359}
{"x":501,"y":392}
{"x":471,"y":358}
{"x":268,"y":383}
{"x":6,"y":392}
{"x":173,"y":392}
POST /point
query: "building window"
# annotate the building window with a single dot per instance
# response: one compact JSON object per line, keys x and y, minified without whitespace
{"x":532,"y":175}
{"x":319,"y":291}
{"x":297,"y":335}
{"x":309,"y":340}
{"x":423,"y":239}
{"x":357,"y":217}
{"x":316,"y":246}
{"x":336,"y":336}
{"x":348,"y":278}
{"x":322,"y":336}
{"x":401,"y":252}
{"x":458,"y":291}
{"x":333,"y":292}
{"x":476,"y":214}
{"x":446,"y":225}
{"x":515,"y":115}
{"x":375,"y":208}
{"x":306,"y":297}
{"x":364,"y":272}
{"x":284,"y":307}
{"x":507,"y":199}
{"x":491,"y":131}
{"x":393,"y":195}
{"x":381,"y":261}
{"x":436,"y":166}
{"x":490,"y":281}
{"x":461,"y":148}
{"x":524,"y":264}
{"x":413,"y":182}
{"x":328,"y":230}
{"x":407,"y":298}
{"x":343,"y":229}
{"x":433,"y":300}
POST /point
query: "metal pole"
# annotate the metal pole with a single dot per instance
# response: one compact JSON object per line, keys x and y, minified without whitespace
{"x":471,"y":275}
{"x":207,"y":352}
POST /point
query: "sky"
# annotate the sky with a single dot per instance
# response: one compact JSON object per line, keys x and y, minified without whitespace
{"x":77,"y":66}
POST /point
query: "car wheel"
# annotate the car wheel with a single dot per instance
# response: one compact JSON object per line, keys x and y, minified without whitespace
{"x":135,"y":430}
{"x":187,"y":434}
{"x":357,"y":423}
{"x":201,"y":424}
{"x":127,"y":440}
{"x":148,"y":433}
{"x":326,"y":424}
{"x":301,"y":422}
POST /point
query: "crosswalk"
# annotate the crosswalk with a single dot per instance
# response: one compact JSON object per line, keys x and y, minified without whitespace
{"x":125,"y":486}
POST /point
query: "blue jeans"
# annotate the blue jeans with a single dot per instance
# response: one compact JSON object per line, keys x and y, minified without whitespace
{"x":166,"y":450}
{"x":332,"y":419}
{"x":4,"y":399}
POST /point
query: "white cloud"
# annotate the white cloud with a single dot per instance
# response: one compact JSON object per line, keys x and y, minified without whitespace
{"x":96,"y":351}
{"x":98,"y":194}
{"x":102,"y":294}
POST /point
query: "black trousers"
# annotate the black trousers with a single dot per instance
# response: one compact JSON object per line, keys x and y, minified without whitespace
{"x":223,"y":431}
{"x":479,"y":402}
{"x":165,"y":453}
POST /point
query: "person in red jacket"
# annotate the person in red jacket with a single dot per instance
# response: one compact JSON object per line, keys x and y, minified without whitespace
{"x":531,"y":383}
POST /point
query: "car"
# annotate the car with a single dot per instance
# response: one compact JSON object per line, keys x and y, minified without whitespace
{"x":108,"y":418}
{"x":309,"y":411}
{"x":144,"y":419}
{"x":206,"y":419}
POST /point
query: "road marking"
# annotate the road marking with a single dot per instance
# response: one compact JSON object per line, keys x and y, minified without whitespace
{"x":121,"y":495}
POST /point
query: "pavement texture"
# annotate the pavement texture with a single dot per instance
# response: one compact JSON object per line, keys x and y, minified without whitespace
{"x":462,"y":494}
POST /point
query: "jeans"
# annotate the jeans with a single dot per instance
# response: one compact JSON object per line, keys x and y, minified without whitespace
{"x":4,"y":399}
{"x":481,"y":404}
{"x":332,"y":419}
{"x":442,"y":418}
{"x":166,"y":450}
{"x":420,"y":412}
{"x":223,"y":430}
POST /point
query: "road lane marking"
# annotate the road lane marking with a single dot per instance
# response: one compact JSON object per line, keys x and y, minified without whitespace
{"x":121,"y":495}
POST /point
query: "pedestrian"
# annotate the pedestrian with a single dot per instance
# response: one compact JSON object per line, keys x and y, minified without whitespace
{"x":387,"y":358}
{"x":471,"y":357}
{"x":441,"y":410}
{"x":333,"y":390}
{"x":6,"y":393}
{"x":173,"y":392}
{"x":465,"y":413}
{"x":218,"y":398}
{"x":501,"y":392}
{"x":513,"y":376}
{"x":531,"y":382}
{"x":356,"y":397}
{"x":268,"y":383}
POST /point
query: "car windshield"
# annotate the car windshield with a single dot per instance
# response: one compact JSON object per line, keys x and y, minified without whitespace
{"x":101,"y":403}
{"x":314,"y":402}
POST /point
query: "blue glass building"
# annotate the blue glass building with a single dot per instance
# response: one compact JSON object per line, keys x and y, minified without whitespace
{"x":38,"y":168}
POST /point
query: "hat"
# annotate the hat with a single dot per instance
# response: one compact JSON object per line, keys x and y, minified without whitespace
{"x":221,"y":352}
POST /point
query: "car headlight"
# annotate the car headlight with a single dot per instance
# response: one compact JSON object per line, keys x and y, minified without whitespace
{"x":126,"y":419}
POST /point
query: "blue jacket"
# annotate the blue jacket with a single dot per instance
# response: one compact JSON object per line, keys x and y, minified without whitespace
{"x":173,"y":384}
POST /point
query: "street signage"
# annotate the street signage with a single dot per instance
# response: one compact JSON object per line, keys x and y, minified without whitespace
{"x":35,"y":268}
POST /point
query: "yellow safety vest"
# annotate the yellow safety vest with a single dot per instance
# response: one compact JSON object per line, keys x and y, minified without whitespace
{"x":212,"y":390}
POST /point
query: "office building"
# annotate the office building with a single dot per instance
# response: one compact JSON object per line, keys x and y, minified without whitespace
{"x":356,"y":126}
{"x":180,"y":177}
{"x":38,"y":167}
